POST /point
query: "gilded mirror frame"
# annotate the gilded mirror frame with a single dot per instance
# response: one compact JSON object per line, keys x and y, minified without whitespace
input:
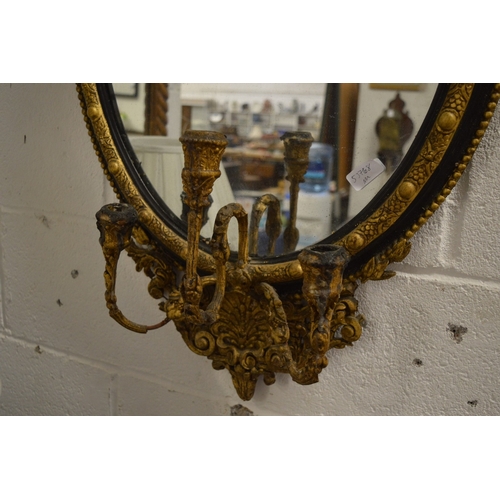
{"x":440,"y":153}
{"x":298,"y":305}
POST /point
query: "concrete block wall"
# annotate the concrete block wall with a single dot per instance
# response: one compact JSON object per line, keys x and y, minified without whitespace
{"x":430,"y":347}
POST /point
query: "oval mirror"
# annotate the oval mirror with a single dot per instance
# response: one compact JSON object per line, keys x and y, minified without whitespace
{"x":351,"y":124}
{"x":394,"y":205}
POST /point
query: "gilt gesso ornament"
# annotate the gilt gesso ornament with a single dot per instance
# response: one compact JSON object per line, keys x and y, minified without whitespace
{"x":234,"y":316}
{"x":256,"y":318}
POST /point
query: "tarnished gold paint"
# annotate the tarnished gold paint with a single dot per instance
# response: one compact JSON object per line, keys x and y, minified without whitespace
{"x":235,"y":316}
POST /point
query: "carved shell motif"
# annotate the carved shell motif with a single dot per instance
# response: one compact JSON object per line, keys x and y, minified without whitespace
{"x":249,"y":338}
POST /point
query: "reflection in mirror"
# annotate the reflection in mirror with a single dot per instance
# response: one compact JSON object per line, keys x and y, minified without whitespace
{"x":351,"y":125}
{"x":374,"y":107}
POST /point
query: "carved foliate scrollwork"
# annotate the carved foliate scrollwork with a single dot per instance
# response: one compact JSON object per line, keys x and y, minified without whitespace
{"x":115,"y":223}
{"x":250,"y":338}
{"x":234,"y":317}
{"x":235,"y":314}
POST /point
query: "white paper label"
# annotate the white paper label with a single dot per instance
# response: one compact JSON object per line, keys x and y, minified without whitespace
{"x":364,"y":174}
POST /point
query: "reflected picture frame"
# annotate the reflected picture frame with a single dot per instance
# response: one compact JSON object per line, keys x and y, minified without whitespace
{"x":129,"y":90}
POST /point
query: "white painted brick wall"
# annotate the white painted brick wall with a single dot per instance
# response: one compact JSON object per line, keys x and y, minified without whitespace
{"x":73,"y":359}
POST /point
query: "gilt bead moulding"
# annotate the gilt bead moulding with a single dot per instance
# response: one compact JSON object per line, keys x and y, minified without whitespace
{"x":256,"y":316}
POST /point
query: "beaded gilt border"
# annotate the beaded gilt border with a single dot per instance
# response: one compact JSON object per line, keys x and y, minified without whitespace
{"x":374,"y":269}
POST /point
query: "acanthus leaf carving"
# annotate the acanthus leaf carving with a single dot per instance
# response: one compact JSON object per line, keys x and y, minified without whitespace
{"x":237,"y":314}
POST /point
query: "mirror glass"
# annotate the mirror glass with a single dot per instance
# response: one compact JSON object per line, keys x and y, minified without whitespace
{"x":360,"y":131}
